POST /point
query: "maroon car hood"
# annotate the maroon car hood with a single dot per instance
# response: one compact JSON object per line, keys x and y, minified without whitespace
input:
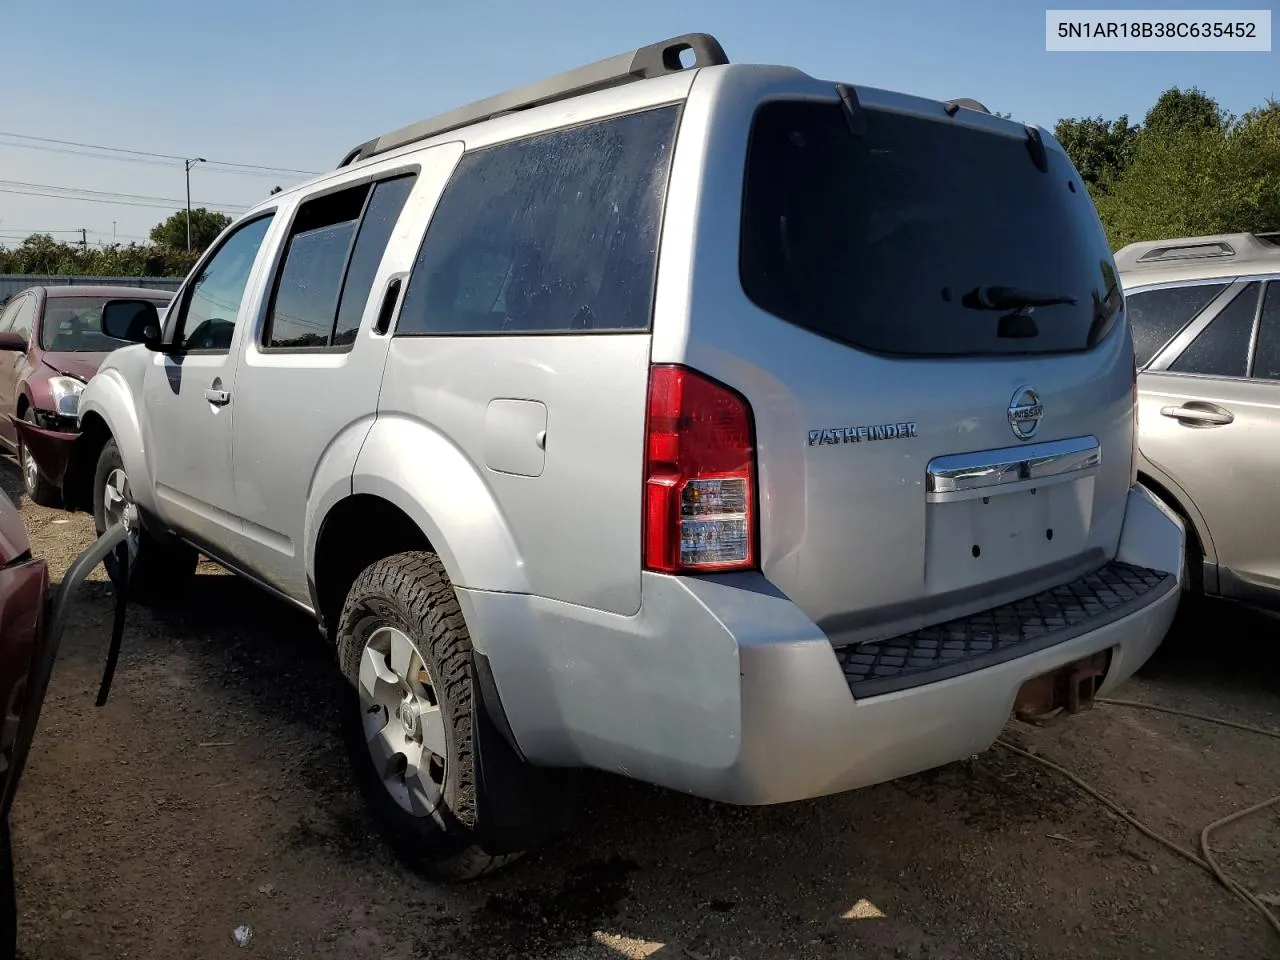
{"x":81,"y":365}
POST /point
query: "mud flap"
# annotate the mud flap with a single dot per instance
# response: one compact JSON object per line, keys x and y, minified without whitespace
{"x":520,"y":806}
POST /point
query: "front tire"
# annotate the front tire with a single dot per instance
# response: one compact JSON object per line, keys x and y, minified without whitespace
{"x":34,"y":483}
{"x":404,"y":647}
{"x":159,"y":570}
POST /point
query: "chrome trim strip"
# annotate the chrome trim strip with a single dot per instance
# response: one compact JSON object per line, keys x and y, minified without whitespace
{"x":951,"y":477}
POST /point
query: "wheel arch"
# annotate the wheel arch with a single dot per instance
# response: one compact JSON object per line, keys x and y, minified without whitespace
{"x":1199,"y":541}
{"x":107,"y":413}
{"x":346,"y":543}
{"x":437,"y":489}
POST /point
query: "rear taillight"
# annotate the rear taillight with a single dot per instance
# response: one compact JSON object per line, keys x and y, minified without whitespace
{"x":699,"y":482}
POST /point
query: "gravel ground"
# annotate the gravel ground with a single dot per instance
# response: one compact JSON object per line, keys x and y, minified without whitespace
{"x":211,"y":792}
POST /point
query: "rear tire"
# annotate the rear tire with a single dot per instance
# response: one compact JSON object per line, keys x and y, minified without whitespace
{"x":34,"y":483}
{"x":404,"y":647}
{"x":160,"y":569}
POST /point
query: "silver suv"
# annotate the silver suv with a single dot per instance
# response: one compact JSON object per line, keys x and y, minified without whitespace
{"x":1205,"y":314}
{"x":750,"y":434}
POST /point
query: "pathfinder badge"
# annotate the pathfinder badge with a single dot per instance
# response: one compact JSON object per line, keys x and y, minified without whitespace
{"x":877,"y":431}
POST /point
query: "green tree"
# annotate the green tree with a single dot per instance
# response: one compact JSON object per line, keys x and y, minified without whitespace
{"x":1189,"y":110}
{"x":1190,"y":177}
{"x":1100,"y":149}
{"x":40,"y":253}
{"x":205,"y":227}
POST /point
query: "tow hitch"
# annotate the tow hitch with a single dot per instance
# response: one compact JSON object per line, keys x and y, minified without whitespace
{"x":1067,"y":690}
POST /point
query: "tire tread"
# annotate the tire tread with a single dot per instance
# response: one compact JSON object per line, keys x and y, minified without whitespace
{"x":415,"y":583}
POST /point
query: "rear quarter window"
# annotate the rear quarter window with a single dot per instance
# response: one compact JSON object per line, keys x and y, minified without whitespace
{"x":555,"y":233}
{"x":880,"y":240}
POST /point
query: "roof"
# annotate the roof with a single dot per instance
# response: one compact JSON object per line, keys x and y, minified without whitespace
{"x":106,"y":290}
{"x":654,"y":60}
{"x":1195,"y":258}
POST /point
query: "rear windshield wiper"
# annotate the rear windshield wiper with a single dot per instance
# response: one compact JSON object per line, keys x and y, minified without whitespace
{"x":1011,"y":298}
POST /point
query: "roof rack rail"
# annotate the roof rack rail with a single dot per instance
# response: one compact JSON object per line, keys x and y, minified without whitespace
{"x":654,"y":60}
{"x":952,"y":106}
{"x":1235,"y":247}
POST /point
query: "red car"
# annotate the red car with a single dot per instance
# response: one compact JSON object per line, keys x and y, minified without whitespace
{"x":31,"y":624}
{"x":51,"y":343}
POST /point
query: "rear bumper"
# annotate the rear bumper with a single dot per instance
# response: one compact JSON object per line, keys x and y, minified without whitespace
{"x":723,"y":688}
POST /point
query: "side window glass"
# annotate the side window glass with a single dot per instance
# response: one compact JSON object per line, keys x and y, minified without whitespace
{"x":24,"y":319}
{"x":380,"y":218}
{"x":1266,"y":358}
{"x":1222,"y":348}
{"x":341,"y":236}
{"x":210,"y":306}
{"x":10,"y":311}
{"x":1155,"y":316}
{"x":553,"y":233}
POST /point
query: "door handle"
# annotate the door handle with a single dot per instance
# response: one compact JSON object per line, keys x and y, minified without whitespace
{"x":1202,"y":414}
{"x":218,"y":398}
{"x":388,"y":308}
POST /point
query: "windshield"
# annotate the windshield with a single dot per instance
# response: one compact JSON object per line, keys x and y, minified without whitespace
{"x":74,"y":325}
{"x":921,"y":237}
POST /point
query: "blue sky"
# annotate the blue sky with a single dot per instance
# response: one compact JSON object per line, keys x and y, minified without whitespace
{"x":295,"y":84}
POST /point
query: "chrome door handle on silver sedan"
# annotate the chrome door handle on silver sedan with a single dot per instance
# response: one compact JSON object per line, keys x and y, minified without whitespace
{"x":218,"y":397}
{"x":1199,"y":414}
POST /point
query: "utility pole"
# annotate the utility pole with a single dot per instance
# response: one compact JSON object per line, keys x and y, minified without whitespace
{"x":84,"y":240}
{"x":113,"y":233}
{"x":190,"y":164}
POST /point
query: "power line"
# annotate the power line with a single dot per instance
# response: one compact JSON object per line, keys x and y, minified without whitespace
{"x":144,"y":155}
{"x":103,"y":193}
{"x":167,"y":164}
{"x":116,"y":203}
{"x":36,"y":231}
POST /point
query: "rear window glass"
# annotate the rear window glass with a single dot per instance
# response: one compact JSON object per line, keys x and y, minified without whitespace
{"x":74,"y":324}
{"x":896,"y":241}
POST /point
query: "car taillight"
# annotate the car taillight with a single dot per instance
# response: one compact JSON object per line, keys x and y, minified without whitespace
{"x":699,"y":481}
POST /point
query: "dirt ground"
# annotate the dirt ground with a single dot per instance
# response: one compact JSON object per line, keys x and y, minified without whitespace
{"x":212,"y":792}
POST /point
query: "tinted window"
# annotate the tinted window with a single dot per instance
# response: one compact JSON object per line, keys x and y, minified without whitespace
{"x":10,"y":311}
{"x":1156,"y":315}
{"x":380,"y":217}
{"x":883,"y":240}
{"x":553,"y":233}
{"x":1222,"y":348}
{"x":210,"y":307}
{"x":25,"y":317}
{"x":74,"y":325}
{"x":306,"y":295}
{"x":335,"y":236}
{"x":1266,"y":359}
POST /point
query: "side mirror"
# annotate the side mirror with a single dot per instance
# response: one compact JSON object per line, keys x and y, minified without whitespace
{"x":134,"y":321}
{"x":13,"y":341}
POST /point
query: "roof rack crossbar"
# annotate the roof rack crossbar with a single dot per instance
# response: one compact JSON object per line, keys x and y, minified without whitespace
{"x":654,"y":60}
